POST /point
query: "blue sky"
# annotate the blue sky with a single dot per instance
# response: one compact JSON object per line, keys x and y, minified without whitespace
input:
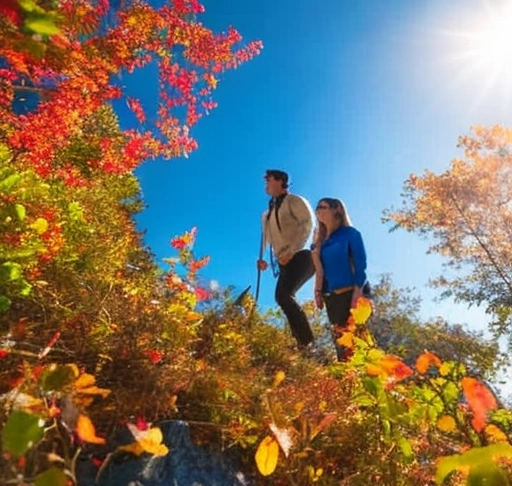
{"x":349,"y":97}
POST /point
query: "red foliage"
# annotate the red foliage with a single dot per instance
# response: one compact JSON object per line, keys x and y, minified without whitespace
{"x":11,"y":10}
{"x":78,"y":72}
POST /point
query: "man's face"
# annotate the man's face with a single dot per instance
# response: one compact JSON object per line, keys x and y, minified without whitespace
{"x":273,"y":187}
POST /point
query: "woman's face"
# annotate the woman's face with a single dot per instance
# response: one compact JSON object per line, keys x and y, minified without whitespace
{"x":324,"y":212}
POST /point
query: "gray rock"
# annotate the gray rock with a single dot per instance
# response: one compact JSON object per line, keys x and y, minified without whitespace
{"x":184,"y":465}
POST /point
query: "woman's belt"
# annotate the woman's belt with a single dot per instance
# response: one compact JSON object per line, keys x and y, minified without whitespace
{"x":341,"y":290}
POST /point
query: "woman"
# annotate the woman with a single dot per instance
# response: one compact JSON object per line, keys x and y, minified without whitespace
{"x":340,"y":264}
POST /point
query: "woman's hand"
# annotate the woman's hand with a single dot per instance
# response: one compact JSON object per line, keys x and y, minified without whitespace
{"x":319,"y":301}
{"x":358,"y":292}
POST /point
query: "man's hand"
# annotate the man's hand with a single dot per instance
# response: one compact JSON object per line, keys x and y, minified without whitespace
{"x":262,"y":265}
{"x":284,"y":258}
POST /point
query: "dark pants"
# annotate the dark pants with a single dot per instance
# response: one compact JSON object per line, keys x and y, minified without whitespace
{"x":338,"y":312}
{"x":292,"y":277}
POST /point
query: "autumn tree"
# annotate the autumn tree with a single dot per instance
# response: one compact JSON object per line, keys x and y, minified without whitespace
{"x":79,"y":292}
{"x":466,"y":215}
{"x":398,"y":329}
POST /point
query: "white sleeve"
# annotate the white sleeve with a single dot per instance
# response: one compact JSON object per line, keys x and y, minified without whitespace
{"x":301,"y":211}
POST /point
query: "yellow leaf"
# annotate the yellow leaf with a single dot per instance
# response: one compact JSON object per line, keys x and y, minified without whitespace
{"x":85,"y":380}
{"x":278,"y":379}
{"x":83,"y":401}
{"x":495,"y":434}
{"x":362,"y":311}
{"x":74,"y":369}
{"x":444,"y":369}
{"x":40,"y":225}
{"x":149,"y":441}
{"x":86,"y":431}
{"x":85,"y":385}
{"x":135,"y":448}
{"x":346,"y":339}
{"x":446,"y":423}
{"x":266,"y":455}
{"x":94,"y":390}
{"x":299,"y":406}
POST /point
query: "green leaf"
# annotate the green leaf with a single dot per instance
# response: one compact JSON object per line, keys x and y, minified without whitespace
{"x":9,"y":182}
{"x":371,"y":385}
{"x":57,"y":378}
{"x":21,"y":212}
{"x":19,"y":254}
{"x":5,"y":303}
{"x":10,"y":271}
{"x":386,"y":428}
{"x":478,"y":456}
{"x":29,"y":5}
{"x":451,"y":392}
{"x":21,"y":431}
{"x":487,"y":475}
{"x":51,"y":477}
{"x":25,"y":289}
{"x":405,"y":447}
{"x":75,"y":211}
{"x":42,"y":25}
{"x":5,"y":153}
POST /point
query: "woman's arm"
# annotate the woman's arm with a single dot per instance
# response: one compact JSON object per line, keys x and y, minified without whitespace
{"x":358,"y":255}
{"x":319,"y":275}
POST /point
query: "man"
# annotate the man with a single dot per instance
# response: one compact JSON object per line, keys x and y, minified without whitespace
{"x":287,"y":225}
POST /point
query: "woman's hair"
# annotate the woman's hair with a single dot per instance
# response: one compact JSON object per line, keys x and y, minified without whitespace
{"x":340,"y":214}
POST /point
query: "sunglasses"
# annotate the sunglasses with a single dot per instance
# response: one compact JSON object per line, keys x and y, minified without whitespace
{"x":322,"y":206}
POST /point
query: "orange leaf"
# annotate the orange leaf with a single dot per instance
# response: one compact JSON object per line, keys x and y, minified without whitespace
{"x":480,"y":400}
{"x":495,"y":434}
{"x":86,"y":431}
{"x":373,"y":369}
{"x":266,"y":455}
{"x":395,"y":367}
{"x":85,"y":380}
{"x":346,"y":339}
{"x":425,"y":360}
{"x":446,"y":423}
{"x":324,"y":423}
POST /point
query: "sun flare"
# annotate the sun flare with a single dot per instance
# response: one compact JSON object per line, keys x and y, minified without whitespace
{"x":491,"y":44}
{"x":479,"y":46}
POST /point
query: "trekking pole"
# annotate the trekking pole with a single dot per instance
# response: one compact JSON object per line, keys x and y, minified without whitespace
{"x":258,"y":280}
{"x":258,"y":277}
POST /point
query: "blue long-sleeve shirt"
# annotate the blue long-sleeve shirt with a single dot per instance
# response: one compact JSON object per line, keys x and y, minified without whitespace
{"x":343,"y":259}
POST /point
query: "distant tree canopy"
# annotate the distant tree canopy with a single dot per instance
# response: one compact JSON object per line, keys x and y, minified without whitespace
{"x":466,"y":215}
{"x":398,"y":329}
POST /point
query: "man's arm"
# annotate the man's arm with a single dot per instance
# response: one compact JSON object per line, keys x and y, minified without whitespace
{"x":301,"y":211}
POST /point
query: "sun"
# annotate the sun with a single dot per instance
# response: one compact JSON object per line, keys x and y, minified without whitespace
{"x":491,"y":44}
{"x":478,"y":46}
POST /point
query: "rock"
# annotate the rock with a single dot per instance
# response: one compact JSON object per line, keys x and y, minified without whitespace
{"x":185,"y":465}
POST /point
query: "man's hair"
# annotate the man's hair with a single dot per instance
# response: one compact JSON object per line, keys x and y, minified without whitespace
{"x":278,"y":175}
